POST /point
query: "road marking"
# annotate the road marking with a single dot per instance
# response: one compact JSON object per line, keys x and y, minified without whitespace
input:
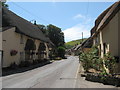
{"x":76,"y":75}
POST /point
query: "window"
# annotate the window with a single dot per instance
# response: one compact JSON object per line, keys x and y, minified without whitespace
{"x":21,"y":39}
{"x":104,"y":48}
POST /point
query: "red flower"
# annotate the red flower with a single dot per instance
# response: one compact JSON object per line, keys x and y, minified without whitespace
{"x":13,"y":52}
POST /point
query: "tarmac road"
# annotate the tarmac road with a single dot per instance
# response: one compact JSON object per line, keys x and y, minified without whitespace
{"x":59,"y":74}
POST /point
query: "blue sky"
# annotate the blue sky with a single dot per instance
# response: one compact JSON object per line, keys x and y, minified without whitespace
{"x":72,"y":17}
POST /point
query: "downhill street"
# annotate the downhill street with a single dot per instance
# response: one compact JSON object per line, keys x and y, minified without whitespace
{"x":59,"y":74}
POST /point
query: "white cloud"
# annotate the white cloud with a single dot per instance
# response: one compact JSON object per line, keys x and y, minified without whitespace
{"x":79,"y":16}
{"x":75,"y":32}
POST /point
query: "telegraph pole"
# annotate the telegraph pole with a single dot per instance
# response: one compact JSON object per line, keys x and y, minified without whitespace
{"x":82,"y":36}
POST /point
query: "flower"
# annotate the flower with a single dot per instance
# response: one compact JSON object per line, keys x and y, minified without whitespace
{"x":13,"y":52}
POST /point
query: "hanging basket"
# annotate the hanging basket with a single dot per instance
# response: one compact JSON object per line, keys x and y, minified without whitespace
{"x":13,"y":52}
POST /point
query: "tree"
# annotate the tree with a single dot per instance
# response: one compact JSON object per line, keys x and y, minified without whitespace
{"x":56,"y":35}
{"x":42,"y":28}
{"x":4,"y":4}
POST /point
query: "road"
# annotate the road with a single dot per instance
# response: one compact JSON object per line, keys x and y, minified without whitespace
{"x":59,"y":74}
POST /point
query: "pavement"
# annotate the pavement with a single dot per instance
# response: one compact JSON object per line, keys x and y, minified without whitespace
{"x":59,"y":74}
{"x":82,"y":83}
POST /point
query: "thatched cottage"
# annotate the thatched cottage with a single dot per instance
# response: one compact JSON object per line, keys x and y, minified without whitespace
{"x":21,"y":40}
{"x":106,"y":32}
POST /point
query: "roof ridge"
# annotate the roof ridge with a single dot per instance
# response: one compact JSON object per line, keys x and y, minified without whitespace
{"x":109,"y":13}
{"x":23,"y":26}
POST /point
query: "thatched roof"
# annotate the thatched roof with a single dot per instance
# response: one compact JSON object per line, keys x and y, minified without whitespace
{"x":86,"y":44}
{"x":22,"y":26}
{"x":77,"y":47}
{"x":104,"y":18}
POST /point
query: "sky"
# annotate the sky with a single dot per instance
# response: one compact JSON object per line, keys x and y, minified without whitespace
{"x":72,"y":17}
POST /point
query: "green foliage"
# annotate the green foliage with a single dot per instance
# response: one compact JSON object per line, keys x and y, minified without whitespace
{"x":103,"y":73}
{"x":85,"y":61}
{"x":56,"y":35}
{"x":43,"y":28}
{"x":61,"y":51}
{"x":73,"y":43}
{"x":91,"y":60}
{"x":109,"y":62}
{"x":4,"y":4}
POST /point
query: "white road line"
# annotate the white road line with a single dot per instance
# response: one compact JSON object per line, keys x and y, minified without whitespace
{"x":76,"y":75}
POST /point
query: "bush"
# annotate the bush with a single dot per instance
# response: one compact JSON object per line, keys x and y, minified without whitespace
{"x":61,"y":52}
{"x":13,"y":65}
{"x":35,"y":62}
{"x":24,"y":64}
{"x":91,"y":60}
{"x":109,"y":62}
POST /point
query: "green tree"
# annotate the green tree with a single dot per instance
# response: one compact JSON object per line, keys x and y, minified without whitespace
{"x":4,"y":4}
{"x":42,"y":28}
{"x":56,"y":35}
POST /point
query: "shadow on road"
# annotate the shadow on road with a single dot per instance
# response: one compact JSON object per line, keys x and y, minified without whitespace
{"x":9,"y":71}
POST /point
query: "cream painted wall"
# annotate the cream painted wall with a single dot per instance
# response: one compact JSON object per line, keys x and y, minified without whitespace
{"x":11,"y":41}
{"x":109,"y":35}
{"x":118,"y":68}
{"x":47,"y":50}
{"x":37,"y":42}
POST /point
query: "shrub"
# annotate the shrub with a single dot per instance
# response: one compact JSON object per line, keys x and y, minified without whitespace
{"x":13,"y":65}
{"x":61,"y":51}
{"x":109,"y":62}
{"x":91,"y":59}
{"x":24,"y":64}
{"x":35,"y":62}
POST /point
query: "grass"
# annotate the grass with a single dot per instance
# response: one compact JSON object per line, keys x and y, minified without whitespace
{"x":73,"y":43}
